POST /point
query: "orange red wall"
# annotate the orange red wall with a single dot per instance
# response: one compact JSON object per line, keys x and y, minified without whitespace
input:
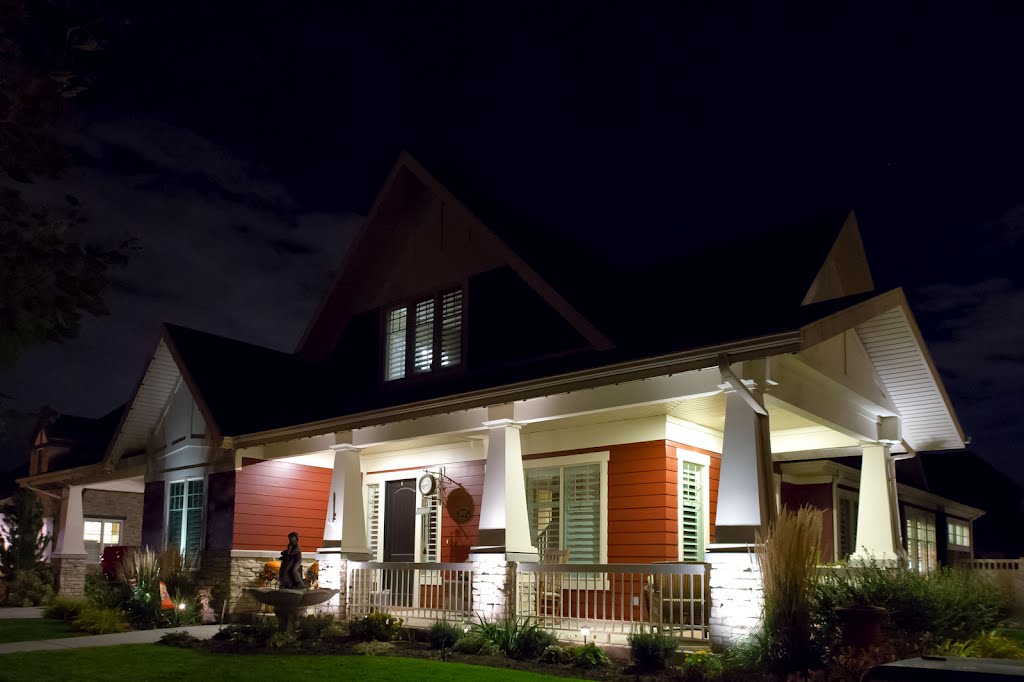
{"x":274,"y":498}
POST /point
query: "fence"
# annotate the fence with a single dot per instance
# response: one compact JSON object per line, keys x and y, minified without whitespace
{"x":418,"y":593}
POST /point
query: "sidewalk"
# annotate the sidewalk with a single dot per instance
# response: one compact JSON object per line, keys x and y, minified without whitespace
{"x":21,"y":612}
{"x":133,"y":637}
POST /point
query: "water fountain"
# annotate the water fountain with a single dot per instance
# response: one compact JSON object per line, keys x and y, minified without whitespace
{"x":291,"y":597}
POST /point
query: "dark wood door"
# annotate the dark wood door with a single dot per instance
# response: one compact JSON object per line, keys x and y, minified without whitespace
{"x":400,"y":537}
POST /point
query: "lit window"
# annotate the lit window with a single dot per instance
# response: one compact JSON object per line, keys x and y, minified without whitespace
{"x":185,"y":518}
{"x":99,"y":534}
{"x":564,"y":507}
{"x":959,"y":534}
{"x":922,"y":555}
{"x":423,"y":336}
{"x":847,"y":503}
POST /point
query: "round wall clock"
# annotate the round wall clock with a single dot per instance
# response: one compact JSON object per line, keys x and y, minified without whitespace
{"x":427,"y":485}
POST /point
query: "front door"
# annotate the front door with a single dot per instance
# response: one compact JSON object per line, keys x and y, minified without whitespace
{"x":400,"y":537}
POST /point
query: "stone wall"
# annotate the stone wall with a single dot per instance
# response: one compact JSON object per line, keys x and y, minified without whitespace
{"x":70,"y":574}
{"x":109,"y":504}
{"x":494,"y":581}
{"x":737,"y":595}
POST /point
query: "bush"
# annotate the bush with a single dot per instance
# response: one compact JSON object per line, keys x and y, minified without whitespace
{"x":702,"y":665}
{"x":256,"y":634}
{"x":474,"y":643}
{"x":182,"y":640}
{"x":556,"y":654}
{"x":442,"y":635}
{"x":29,"y":587}
{"x":589,"y":655}
{"x":317,"y":628}
{"x":373,"y":648}
{"x":282,"y":640}
{"x":650,"y":650}
{"x":63,"y":608}
{"x":100,"y":621}
{"x":515,"y":638}
{"x":987,"y":645}
{"x":102,"y":592}
{"x":379,"y":626}
{"x":140,"y":567}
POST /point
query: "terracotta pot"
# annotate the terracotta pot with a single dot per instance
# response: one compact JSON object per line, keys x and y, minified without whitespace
{"x":861,"y":625}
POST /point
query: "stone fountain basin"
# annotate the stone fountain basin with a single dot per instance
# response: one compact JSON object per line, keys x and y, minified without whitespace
{"x":290,"y":599}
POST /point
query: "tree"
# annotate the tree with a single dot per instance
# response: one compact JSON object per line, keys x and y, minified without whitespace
{"x":49,"y":278}
{"x":24,"y":540}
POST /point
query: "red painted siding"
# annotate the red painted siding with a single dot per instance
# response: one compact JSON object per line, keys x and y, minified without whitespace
{"x":456,"y":538}
{"x":273,"y":499}
{"x":819,"y":496}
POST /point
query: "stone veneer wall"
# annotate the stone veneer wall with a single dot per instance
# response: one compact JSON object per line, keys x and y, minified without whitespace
{"x":737,"y":595}
{"x":494,"y":581}
{"x":70,"y":574}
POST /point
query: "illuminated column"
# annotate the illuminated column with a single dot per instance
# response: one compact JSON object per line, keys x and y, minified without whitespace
{"x":504,"y":523}
{"x":68,"y":558}
{"x":878,"y":530}
{"x":344,"y":528}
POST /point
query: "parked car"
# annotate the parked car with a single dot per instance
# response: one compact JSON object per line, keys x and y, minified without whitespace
{"x":939,"y":668}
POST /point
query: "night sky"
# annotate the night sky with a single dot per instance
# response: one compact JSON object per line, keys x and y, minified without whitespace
{"x":242,"y":142}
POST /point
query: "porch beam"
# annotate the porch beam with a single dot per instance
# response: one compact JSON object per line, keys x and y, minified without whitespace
{"x":464,"y":421}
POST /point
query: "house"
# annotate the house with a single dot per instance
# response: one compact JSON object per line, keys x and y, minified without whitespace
{"x":479,"y":420}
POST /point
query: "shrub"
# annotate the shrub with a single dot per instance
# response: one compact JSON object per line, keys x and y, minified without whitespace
{"x":282,"y":640}
{"x":140,"y":567}
{"x":29,"y":587}
{"x":556,"y":654}
{"x":590,"y":655}
{"x":22,"y":542}
{"x":379,"y":625}
{"x":986,"y":645}
{"x":182,"y":640}
{"x":373,"y":648}
{"x":63,"y":608}
{"x":474,"y":643}
{"x":185,"y":612}
{"x":100,"y":621}
{"x":256,"y":634}
{"x":702,"y":665}
{"x":317,"y":628}
{"x":515,"y":638}
{"x":442,"y":635}
{"x":650,"y":651}
{"x":788,"y":560}
{"x":99,"y":591}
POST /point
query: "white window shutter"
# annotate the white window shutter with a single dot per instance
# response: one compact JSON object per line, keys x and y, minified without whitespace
{"x":372,"y":518}
{"x":423,"y":352}
{"x":582,"y":489}
{"x":451,"y":328}
{"x":396,"y":332}
{"x":691,"y":508}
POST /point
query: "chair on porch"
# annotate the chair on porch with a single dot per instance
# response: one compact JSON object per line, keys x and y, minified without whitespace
{"x":676,"y":600}
{"x":549,"y":586}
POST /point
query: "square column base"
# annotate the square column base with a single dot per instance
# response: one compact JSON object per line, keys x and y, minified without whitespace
{"x":737,"y":592}
{"x":69,"y":569}
{"x":494,"y":584}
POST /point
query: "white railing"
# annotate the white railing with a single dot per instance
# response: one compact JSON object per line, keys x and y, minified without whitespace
{"x":612,"y":600}
{"x":419,"y":593}
{"x":995,"y":564}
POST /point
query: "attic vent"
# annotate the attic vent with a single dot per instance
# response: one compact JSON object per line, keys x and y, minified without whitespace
{"x":434,"y":336}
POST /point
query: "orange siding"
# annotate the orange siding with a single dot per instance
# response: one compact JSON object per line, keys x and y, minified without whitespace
{"x":273,"y":499}
{"x":456,"y":538}
{"x":642,"y":503}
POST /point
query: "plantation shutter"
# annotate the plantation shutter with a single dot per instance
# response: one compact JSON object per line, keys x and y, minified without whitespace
{"x":451,"y":328}
{"x":193,"y":521}
{"x":175,"y":513}
{"x":691,"y":508}
{"x":847,"y":534}
{"x":372,"y":518}
{"x":582,"y":488}
{"x":396,"y":326}
{"x":543,"y":496}
{"x":423,"y":354}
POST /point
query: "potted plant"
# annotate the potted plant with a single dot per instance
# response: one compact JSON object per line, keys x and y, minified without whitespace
{"x":860,"y":622}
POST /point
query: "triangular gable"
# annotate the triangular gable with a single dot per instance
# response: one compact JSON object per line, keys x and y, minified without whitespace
{"x":845,"y":271}
{"x":164,"y":372}
{"x":416,"y":236}
{"x":893,"y":342}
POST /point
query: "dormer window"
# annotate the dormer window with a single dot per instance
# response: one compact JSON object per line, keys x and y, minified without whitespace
{"x":423,"y":336}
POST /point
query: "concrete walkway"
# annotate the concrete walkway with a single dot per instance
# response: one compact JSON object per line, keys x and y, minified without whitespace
{"x":133,"y":637}
{"x":21,"y":612}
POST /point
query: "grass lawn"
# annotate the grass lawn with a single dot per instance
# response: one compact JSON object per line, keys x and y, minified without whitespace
{"x":155,"y":662}
{"x":27,"y":629}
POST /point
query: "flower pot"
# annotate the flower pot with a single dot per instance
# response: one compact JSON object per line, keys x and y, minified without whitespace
{"x":861,"y":625}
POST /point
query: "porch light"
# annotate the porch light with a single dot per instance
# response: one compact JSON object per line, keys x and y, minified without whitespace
{"x":585,"y":631}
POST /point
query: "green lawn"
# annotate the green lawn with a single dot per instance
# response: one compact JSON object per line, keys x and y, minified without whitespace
{"x":27,"y":629}
{"x":155,"y":662}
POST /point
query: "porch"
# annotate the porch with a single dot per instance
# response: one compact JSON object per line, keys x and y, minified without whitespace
{"x":602,"y":603}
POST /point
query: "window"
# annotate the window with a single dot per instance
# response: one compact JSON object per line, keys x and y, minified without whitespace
{"x":423,"y":336}
{"x":185,"y":518}
{"x":691,"y":511}
{"x":921,"y":554}
{"x":959,"y":534}
{"x":846,"y":501}
{"x":99,"y":534}
{"x":564,"y":503}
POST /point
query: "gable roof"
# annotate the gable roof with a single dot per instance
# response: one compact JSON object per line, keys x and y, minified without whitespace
{"x":85,"y":438}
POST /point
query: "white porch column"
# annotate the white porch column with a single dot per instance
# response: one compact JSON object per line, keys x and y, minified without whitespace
{"x":68,"y":557}
{"x":746,"y":497}
{"x":345,"y":527}
{"x":878,"y":528}
{"x":71,"y":536}
{"x":504,"y":523}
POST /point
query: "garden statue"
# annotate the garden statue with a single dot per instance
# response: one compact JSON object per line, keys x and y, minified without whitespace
{"x":290,"y":576}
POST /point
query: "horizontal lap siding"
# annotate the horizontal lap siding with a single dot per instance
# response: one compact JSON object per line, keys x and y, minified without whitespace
{"x":642,"y":503}
{"x":456,"y":539}
{"x":818,"y":496}
{"x":273,"y":499}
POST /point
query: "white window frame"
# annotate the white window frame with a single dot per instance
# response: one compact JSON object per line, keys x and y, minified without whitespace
{"x":436,"y":334}
{"x":184,"y":515}
{"x":951,"y":535}
{"x":913,"y":514}
{"x":563,"y":461}
{"x":853,"y":497}
{"x":103,"y":521}
{"x":704,"y":461}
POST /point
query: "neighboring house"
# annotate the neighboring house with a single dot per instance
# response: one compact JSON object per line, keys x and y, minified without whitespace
{"x":474,"y":397}
{"x":85,"y":508}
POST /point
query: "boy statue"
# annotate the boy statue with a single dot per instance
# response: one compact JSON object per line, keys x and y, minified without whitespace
{"x":290,"y":576}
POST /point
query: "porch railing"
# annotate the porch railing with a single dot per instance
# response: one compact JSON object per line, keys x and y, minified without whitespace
{"x":419,"y":593}
{"x":612,"y":600}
